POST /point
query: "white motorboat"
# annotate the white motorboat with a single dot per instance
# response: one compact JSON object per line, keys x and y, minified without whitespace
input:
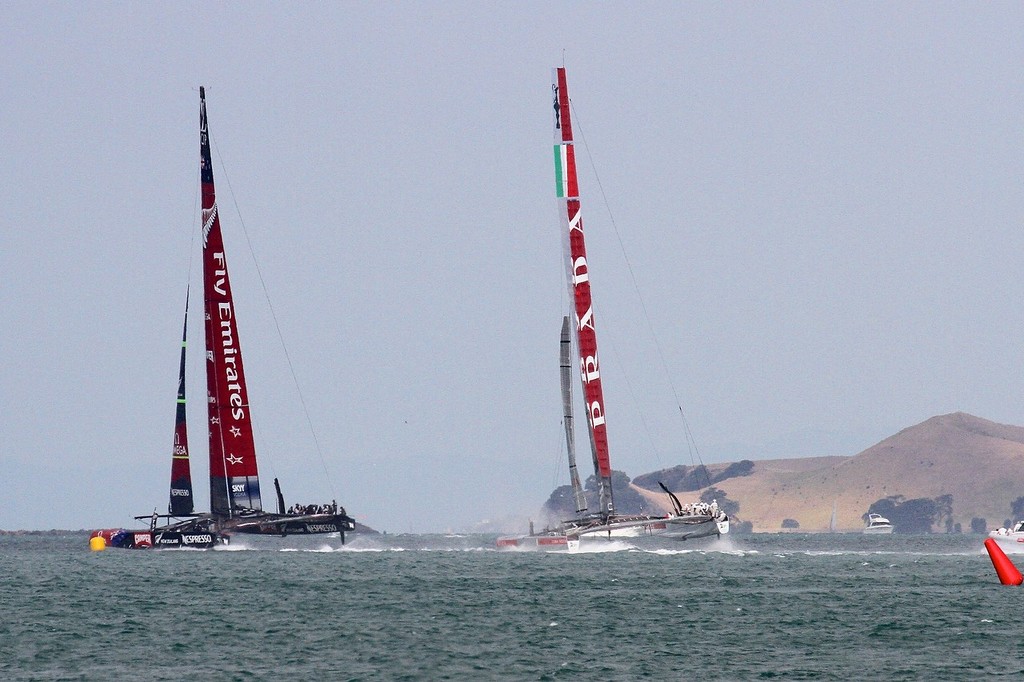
{"x":878,"y":525}
{"x":1010,"y":539}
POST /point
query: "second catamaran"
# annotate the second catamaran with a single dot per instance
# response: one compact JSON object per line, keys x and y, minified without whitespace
{"x":691,"y":521}
{"x":236,"y":504}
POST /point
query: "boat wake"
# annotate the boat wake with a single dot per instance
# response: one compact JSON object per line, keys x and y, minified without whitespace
{"x":603,"y":547}
{"x":667,"y":551}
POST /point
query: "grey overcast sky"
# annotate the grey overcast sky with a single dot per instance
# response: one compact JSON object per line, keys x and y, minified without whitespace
{"x":821,"y":204}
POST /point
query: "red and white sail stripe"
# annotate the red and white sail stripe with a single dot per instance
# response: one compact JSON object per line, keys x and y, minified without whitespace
{"x":567,"y":190}
{"x":234,"y":481}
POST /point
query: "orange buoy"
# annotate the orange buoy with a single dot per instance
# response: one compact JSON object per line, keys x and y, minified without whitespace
{"x":1007,"y":572}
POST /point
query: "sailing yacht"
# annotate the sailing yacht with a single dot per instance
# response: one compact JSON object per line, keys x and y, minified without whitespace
{"x":236,"y":504}
{"x":686,"y":521}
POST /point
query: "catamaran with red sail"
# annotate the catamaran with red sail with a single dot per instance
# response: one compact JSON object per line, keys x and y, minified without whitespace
{"x":236,"y":504}
{"x":691,"y":521}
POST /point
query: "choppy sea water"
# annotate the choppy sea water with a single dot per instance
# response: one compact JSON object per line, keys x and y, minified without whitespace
{"x":789,"y":607}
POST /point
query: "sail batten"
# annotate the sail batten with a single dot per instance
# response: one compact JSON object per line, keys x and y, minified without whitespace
{"x":234,"y":478}
{"x":578,"y":279}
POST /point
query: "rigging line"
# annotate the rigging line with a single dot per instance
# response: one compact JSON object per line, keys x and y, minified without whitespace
{"x":196,"y":222}
{"x":197,"y":208}
{"x":623,"y":373}
{"x":277,"y":324}
{"x":632,"y":395}
{"x":690,"y":442}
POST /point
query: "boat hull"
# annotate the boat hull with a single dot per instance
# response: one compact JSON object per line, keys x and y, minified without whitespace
{"x":160,"y":538}
{"x":206,"y":531}
{"x":1009,"y":541}
{"x":574,"y":533}
{"x":691,"y":528}
{"x":539,"y":543}
{"x":285,"y":524}
{"x":676,"y":527}
{"x":299,"y":542}
{"x":878,"y":530}
{"x":624,"y":528}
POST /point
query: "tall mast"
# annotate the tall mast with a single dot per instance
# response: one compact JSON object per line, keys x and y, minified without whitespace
{"x":234,"y":481}
{"x":181,"y":475}
{"x":578,"y":275}
{"x":565,"y":367}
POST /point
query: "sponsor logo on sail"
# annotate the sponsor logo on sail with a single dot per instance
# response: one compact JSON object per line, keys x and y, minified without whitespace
{"x":209,"y":214}
{"x":179,"y":492}
{"x":229,"y":344}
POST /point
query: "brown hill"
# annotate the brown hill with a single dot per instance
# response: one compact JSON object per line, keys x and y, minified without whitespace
{"x":978,"y":462}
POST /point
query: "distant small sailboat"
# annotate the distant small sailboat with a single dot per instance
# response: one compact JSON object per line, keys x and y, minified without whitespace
{"x":235,"y":496}
{"x":832,"y":520}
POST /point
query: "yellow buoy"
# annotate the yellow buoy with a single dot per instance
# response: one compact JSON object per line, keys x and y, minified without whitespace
{"x":97,"y":544}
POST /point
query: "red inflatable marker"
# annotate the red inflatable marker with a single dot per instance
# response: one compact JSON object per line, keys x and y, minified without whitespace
{"x":1007,"y":572}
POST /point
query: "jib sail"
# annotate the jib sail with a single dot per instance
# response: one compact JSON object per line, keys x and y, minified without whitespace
{"x":181,"y":474}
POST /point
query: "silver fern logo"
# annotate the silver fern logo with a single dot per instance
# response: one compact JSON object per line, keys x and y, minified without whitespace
{"x":209,"y":215}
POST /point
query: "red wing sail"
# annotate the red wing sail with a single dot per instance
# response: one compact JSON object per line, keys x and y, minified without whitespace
{"x":234,"y":482}
{"x":567,"y":190}
{"x":181,"y":475}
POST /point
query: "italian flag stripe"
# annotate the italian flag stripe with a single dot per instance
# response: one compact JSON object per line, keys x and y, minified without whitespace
{"x":560,"y":171}
{"x":565,"y":172}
